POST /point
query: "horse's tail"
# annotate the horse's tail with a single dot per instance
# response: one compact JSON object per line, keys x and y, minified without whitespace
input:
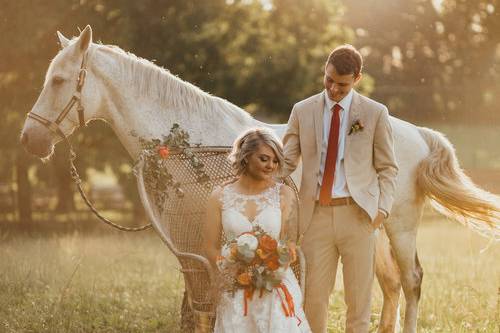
{"x":452,"y":193}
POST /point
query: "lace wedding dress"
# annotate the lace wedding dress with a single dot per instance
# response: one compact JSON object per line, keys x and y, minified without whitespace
{"x":264,"y":314}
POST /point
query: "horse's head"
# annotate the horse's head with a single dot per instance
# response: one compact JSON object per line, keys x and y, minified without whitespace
{"x":67,"y":100}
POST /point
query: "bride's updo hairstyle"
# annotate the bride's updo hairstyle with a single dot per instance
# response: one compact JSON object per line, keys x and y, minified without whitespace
{"x":248,"y":143}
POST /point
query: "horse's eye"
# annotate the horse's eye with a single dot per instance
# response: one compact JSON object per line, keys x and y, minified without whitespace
{"x":57,"y":80}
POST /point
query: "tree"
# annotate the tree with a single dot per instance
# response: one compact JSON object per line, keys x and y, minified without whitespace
{"x":430,"y":62}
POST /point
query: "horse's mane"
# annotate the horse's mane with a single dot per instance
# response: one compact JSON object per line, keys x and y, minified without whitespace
{"x":159,"y":84}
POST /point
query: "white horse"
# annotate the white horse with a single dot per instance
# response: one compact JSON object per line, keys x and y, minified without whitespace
{"x":140,"y":99}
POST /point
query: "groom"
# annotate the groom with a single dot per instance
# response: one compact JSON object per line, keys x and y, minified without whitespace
{"x":348,"y":179}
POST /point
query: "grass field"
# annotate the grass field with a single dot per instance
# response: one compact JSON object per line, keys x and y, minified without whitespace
{"x":118,"y":282}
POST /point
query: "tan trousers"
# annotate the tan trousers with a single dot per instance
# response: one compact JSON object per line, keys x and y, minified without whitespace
{"x":339,"y":232}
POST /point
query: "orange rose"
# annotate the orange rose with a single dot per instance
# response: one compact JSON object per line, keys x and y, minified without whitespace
{"x":163,"y":152}
{"x":244,"y":279}
{"x":272,"y":263}
{"x":261,"y":254}
{"x":268,"y":244}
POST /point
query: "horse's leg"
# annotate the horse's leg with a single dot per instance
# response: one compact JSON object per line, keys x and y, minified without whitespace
{"x":404,"y":245}
{"x":389,"y":279}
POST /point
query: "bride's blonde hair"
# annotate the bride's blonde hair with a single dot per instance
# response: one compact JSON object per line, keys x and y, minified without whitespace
{"x":248,"y":143}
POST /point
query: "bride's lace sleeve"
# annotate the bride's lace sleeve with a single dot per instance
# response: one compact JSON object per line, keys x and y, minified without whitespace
{"x":290,"y":214}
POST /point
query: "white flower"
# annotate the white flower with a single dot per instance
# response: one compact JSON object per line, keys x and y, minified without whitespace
{"x":249,"y":240}
{"x":222,"y":265}
{"x":226,"y":251}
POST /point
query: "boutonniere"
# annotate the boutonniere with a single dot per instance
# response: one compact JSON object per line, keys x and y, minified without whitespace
{"x":357,"y":126}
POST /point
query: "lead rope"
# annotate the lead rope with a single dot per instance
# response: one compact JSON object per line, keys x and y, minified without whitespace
{"x":78,"y":181}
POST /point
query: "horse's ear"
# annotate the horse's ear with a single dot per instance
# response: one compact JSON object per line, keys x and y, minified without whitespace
{"x":85,"y":39}
{"x":63,"y":41}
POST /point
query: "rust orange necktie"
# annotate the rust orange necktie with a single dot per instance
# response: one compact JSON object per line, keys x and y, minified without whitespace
{"x":325,"y":193}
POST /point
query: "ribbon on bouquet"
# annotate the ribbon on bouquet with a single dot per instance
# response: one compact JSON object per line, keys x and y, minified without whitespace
{"x":247,"y":294}
{"x":286,"y":301}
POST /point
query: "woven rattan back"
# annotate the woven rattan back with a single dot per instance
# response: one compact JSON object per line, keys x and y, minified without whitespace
{"x":180,"y":219}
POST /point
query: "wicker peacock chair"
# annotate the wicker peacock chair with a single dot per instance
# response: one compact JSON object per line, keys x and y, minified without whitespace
{"x":179,"y":222}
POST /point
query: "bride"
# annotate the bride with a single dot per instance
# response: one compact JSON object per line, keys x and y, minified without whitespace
{"x":254,"y":199}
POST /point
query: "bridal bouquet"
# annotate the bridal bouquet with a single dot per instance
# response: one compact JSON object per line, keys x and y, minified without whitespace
{"x":255,"y":261}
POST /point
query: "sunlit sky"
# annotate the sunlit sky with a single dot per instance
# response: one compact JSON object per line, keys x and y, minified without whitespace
{"x":266,"y":4}
{"x":437,"y":4}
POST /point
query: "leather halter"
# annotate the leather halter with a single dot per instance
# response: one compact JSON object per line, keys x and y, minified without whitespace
{"x":53,"y":126}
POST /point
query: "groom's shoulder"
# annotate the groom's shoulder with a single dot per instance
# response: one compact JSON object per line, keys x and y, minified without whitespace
{"x":367,"y":101}
{"x":309,"y":101}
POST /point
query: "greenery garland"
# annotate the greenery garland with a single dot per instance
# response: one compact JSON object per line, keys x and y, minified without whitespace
{"x":155,"y":153}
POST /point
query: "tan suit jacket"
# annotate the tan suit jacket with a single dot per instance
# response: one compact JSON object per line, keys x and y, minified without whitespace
{"x":369,"y":159}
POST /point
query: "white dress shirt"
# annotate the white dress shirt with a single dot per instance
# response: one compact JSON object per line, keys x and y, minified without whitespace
{"x":339,"y":188}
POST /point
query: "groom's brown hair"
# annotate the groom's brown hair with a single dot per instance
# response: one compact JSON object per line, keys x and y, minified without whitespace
{"x":346,"y":60}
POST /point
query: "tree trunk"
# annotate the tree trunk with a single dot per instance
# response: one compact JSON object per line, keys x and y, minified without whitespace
{"x":65,"y":201}
{"x":23,"y":188}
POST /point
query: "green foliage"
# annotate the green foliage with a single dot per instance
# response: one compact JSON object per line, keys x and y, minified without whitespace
{"x":158,"y":178}
{"x":275,"y":57}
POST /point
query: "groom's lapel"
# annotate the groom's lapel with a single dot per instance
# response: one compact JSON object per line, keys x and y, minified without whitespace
{"x":318,"y":120}
{"x":354,"y":114}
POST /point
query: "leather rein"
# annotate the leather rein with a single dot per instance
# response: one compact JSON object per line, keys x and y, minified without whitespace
{"x":53,"y":126}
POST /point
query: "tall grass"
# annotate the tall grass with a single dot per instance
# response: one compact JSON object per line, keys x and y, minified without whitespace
{"x":118,"y":282}
{"x":461,"y":285}
{"x":75,"y":283}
